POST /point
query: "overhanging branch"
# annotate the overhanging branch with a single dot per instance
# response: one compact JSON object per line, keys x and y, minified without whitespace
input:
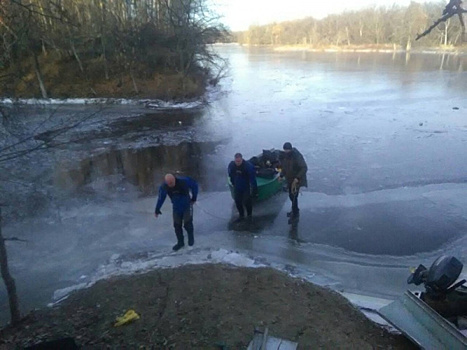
{"x":453,"y":8}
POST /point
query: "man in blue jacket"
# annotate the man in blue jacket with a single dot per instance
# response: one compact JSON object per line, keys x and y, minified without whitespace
{"x":243,"y":178}
{"x":178,"y":189}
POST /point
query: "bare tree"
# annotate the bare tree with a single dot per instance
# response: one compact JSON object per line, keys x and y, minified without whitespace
{"x":8,"y":279}
{"x":395,"y":25}
{"x":107,"y":39}
{"x":194,"y":28}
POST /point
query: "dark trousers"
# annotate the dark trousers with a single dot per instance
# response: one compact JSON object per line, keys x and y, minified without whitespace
{"x":243,"y":199}
{"x":293,"y":195}
{"x":185,"y":218}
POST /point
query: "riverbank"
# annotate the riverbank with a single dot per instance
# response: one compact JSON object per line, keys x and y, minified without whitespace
{"x":63,"y":79}
{"x":202,"y":307}
{"x":451,"y":50}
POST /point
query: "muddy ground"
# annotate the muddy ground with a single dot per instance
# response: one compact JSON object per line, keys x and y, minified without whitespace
{"x":204,"y":307}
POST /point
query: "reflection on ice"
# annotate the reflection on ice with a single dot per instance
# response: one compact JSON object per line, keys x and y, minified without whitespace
{"x":403,"y":221}
{"x":143,"y":168}
{"x":264,"y":215}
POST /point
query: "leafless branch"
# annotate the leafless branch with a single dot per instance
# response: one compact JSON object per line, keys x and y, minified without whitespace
{"x":453,"y":8}
{"x":28,"y":138}
{"x":31,"y":9}
{"x":55,"y":133}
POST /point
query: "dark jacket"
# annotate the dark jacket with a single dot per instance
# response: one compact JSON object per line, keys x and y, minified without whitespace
{"x":243,"y":177}
{"x":293,"y":166}
{"x":179,"y":194}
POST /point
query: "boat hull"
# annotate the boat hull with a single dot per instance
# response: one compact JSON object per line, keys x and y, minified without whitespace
{"x":266,"y":187}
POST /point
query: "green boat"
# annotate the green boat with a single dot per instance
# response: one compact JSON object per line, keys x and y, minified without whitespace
{"x":269,"y":184}
{"x":266,"y":187}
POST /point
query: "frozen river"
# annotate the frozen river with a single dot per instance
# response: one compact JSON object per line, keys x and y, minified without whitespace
{"x":384,"y":136}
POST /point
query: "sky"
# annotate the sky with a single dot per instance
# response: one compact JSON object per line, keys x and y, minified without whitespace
{"x":240,"y":14}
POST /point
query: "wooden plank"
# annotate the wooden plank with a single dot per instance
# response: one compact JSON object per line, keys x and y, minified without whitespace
{"x":265,"y":339}
{"x":272,"y":343}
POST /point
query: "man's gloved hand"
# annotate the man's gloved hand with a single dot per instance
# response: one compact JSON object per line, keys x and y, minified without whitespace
{"x":193,"y":201}
{"x":157,"y":213}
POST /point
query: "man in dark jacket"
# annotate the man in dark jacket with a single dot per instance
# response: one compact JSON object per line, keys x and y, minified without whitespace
{"x":243,"y":178}
{"x":178,"y":189}
{"x":294,"y":170}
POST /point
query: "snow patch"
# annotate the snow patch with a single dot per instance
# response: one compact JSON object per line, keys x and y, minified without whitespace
{"x":61,"y":294}
{"x":236,"y":259}
{"x":174,"y":105}
{"x":212,"y":94}
{"x":157,"y":104}
{"x":117,"y":267}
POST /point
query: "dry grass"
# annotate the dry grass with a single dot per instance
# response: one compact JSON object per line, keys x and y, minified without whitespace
{"x":63,"y":79}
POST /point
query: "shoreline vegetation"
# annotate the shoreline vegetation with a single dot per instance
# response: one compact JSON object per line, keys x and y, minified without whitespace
{"x":391,"y":28}
{"x":451,"y":50}
{"x":148,"y":49}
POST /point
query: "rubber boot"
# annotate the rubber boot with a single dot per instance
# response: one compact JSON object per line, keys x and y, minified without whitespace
{"x":191,"y":239}
{"x":180,"y":242}
{"x":178,"y":246}
{"x":189,"y":232}
{"x":239,"y":219}
{"x":293,"y":213}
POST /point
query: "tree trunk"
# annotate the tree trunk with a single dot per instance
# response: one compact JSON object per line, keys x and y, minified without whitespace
{"x":106,"y":69}
{"x":409,"y":44}
{"x":9,"y":281}
{"x":44,"y":50}
{"x":77,"y":57}
{"x":446,"y":27}
{"x":103,"y":27}
{"x":135,"y":86}
{"x":37,"y":69}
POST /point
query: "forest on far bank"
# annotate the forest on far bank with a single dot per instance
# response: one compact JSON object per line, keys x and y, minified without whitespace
{"x":393,"y":25}
{"x":108,"y":48}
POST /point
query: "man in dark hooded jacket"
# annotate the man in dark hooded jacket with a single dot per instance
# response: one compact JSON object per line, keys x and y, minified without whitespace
{"x":178,"y":189}
{"x":242,"y":175}
{"x":294,"y":170}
